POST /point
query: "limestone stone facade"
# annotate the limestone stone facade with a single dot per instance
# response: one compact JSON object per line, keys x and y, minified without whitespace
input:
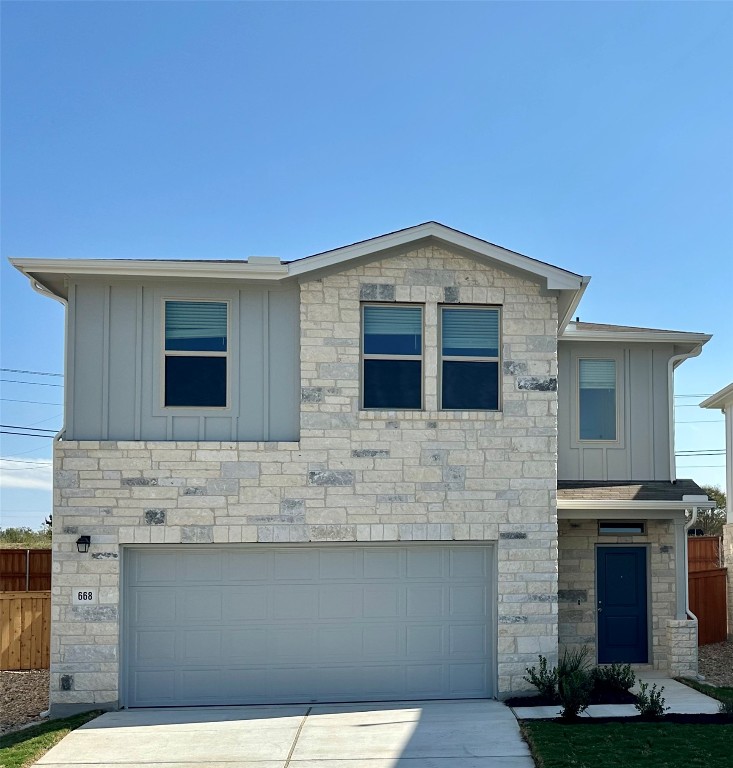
{"x":353,"y":475}
{"x":673,"y":642}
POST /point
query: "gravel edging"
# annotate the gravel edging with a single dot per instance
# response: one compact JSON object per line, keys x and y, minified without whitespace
{"x":23,"y":696}
{"x":715,"y":662}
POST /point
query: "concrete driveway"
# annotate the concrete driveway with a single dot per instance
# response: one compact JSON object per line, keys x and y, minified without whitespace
{"x":435,"y":734}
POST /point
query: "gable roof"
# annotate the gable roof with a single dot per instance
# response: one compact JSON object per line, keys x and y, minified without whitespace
{"x":50,"y":274}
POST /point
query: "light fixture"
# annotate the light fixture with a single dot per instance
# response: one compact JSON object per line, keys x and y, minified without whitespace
{"x":82,"y":543}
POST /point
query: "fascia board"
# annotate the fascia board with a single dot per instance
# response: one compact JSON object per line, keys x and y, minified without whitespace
{"x":720,"y":399}
{"x":611,"y":504}
{"x":166,"y":269}
{"x":556,"y":278}
{"x":676,"y":337}
{"x":610,"y":514}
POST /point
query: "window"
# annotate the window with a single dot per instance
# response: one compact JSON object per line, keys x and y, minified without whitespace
{"x":597,"y":399}
{"x":469,"y":358}
{"x":392,"y":356}
{"x":195,"y":354}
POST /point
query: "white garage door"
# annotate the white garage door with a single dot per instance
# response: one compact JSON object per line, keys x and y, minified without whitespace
{"x":306,"y":623}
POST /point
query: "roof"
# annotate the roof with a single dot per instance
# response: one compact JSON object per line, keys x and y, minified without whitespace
{"x":52,"y":274}
{"x":720,"y":399}
{"x":637,"y":490}
{"x":577,"y":331}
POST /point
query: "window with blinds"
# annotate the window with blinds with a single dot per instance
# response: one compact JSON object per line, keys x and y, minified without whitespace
{"x":392,"y":355}
{"x":470,"y":339}
{"x":195,"y":354}
{"x":597,"y":399}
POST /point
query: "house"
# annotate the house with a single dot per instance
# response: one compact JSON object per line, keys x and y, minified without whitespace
{"x":723,"y":401}
{"x":394,"y":470}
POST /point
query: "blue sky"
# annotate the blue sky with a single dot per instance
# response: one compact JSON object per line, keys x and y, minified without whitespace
{"x":595,"y":136}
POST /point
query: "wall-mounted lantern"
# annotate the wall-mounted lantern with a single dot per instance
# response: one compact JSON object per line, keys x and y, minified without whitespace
{"x":82,"y":544}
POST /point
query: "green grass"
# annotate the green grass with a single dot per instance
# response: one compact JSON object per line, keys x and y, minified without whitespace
{"x":629,"y":745}
{"x":23,"y":748}
{"x":721,"y":693}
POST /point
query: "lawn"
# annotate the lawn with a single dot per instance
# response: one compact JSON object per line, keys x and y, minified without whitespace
{"x":23,"y":748}
{"x":721,"y":693}
{"x":630,"y":744}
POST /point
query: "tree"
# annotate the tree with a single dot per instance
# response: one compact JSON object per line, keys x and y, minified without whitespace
{"x":711,"y":521}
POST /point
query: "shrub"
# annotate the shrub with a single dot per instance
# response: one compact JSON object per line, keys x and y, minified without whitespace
{"x":574,"y":688}
{"x":543,"y":679}
{"x":617,"y":677}
{"x":726,"y":707}
{"x":650,"y":703}
{"x":574,"y":661}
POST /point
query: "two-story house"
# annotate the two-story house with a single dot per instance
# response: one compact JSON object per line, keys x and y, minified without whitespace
{"x":395,"y":470}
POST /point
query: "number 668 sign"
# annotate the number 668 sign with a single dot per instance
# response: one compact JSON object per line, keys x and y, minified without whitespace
{"x":84,"y":596}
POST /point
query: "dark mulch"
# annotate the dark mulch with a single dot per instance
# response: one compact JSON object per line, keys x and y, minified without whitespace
{"x":670,"y":718}
{"x":599,"y":696}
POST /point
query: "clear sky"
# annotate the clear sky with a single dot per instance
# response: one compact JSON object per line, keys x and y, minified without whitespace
{"x":594,"y":136}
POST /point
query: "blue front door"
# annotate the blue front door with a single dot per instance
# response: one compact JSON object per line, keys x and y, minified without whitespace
{"x":622,"y":605}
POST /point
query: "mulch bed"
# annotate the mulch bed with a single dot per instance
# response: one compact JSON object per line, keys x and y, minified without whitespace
{"x":670,"y":718}
{"x":23,"y":696}
{"x":599,"y":696}
{"x":716,"y":663}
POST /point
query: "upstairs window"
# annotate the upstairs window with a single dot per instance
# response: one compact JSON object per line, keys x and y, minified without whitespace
{"x":392,"y":355}
{"x":597,"y":399}
{"x":195,"y":354}
{"x":469,"y":358}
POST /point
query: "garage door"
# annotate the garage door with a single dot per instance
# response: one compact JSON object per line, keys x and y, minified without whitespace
{"x":304,"y":623}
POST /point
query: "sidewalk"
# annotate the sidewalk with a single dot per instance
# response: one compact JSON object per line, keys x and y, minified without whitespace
{"x":678,"y":697}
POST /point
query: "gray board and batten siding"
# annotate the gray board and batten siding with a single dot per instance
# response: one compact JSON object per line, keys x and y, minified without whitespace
{"x":115,"y":363}
{"x":270,"y":624}
{"x":641,"y":448}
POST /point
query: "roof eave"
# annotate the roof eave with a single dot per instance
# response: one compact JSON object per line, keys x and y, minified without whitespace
{"x":720,"y":399}
{"x":630,"y":504}
{"x":675,"y":337}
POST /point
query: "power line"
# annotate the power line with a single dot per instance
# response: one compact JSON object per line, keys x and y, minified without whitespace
{"x":46,"y":463}
{"x":33,"y":429}
{"x":23,"y":434}
{"x":34,"y":373}
{"x":702,"y":421}
{"x":34,"y":402}
{"x":702,"y":466}
{"x":706,"y":394}
{"x":34,"y":383}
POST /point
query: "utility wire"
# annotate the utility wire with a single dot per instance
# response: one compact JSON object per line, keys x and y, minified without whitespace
{"x":23,"y":434}
{"x":33,"y":373}
{"x":34,"y":383}
{"x":33,"y":429}
{"x":34,"y":402}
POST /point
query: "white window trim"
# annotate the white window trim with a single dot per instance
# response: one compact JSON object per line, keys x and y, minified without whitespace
{"x":617,"y":357}
{"x":469,"y":359}
{"x":195,"y":409}
{"x":363,"y":356}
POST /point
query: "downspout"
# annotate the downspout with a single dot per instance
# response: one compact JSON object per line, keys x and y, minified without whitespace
{"x":688,"y":525}
{"x":673,"y":362}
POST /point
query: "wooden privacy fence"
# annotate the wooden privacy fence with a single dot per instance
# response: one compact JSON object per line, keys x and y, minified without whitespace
{"x":25,"y":570}
{"x":708,"y":603}
{"x":25,"y":630}
{"x":703,"y":553}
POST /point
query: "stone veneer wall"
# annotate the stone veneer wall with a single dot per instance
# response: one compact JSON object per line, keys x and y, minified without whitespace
{"x":353,"y":476}
{"x":670,"y":647}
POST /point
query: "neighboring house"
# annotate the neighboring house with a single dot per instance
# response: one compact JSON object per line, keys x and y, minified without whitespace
{"x":343,"y":478}
{"x":723,"y":401}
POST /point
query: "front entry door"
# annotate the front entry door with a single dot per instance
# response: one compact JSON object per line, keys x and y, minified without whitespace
{"x":622,"y":605}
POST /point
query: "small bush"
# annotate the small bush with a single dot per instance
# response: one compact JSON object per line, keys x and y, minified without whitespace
{"x":574,"y":689}
{"x":617,"y":677}
{"x":650,"y":703}
{"x":543,"y":679}
{"x":726,"y":707}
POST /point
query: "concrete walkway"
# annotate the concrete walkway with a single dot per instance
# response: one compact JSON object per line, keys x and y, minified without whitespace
{"x":436,"y":734}
{"x":680,"y":698}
